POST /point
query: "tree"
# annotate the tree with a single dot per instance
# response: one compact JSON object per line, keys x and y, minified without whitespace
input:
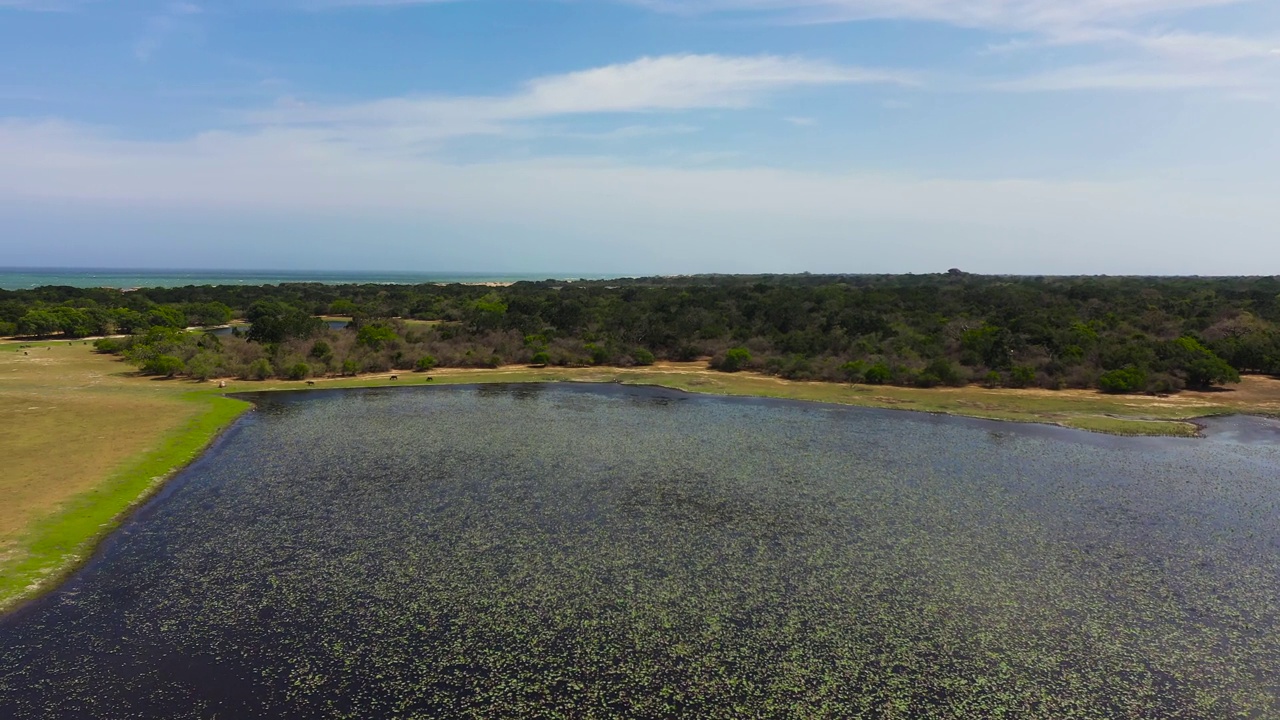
{"x":375,"y":336}
{"x":40,"y":323}
{"x":299,"y":371}
{"x":425,"y":363}
{"x":1197,"y":364}
{"x":273,"y":321}
{"x":540,"y":358}
{"x":321,"y":351}
{"x":642,"y":357}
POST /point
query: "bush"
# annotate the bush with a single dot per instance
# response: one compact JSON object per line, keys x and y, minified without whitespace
{"x":599,"y":355}
{"x":350,"y":367}
{"x":1125,"y":380}
{"x":7,"y":329}
{"x":299,"y":371}
{"x":166,"y":365}
{"x":425,"y":363}
{"x":321,"y":350}
{"x":203,"y":366}
{"x":110,"y":346}
{"x":993,"y":379}
{"x":735,"y":359}
{"x":259,"y":369}
{"x":1022,"y":376}
{"x":540,"y":358}
{"x":877,"y":374}
{"x":642,"y":357}
{"x":853,"y":371}
{"x":945,"y":372}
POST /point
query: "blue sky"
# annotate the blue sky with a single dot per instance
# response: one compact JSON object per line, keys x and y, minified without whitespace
{"x":642,"y":136}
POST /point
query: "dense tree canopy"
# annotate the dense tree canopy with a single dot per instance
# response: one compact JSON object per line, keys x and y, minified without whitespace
{"x":1142,"y":334}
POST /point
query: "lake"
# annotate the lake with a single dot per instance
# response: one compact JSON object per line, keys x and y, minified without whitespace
{"x":603,"y":551}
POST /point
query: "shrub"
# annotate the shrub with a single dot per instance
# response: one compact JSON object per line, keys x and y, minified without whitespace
{"x":350,"y":367}
{"x":1125,"y":380}
{"x":109,"y":346}
{"x":735,"y":359}
{"x":299,"y":371}
{"x":642,"y":356}
{"x":1022,"y":376}
{"x":425,"y":363}
{"x":1164,"y":384}
{"x":259,"y":369}
{"x":599,"y":355}
{"x":877,"y":374}
{"x":993,"y":379}
{"x":540,"y":358}
{"x":166,"y":365}
{"x":945,"y":372}
{"x":853,"y":371}
{"x":203,"y":366}
{"x":321,"y":350}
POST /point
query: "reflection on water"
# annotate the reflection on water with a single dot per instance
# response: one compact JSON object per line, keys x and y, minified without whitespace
{"x":603,"y":551}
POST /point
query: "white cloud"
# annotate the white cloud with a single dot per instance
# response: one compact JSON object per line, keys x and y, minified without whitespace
{"x":1009,"y":15}
{"x":1123,"y":77}
{"x":650,"y":84}
{"x":695,"y":216}
{"x":160,"y":27}
{"x":802,"y":121}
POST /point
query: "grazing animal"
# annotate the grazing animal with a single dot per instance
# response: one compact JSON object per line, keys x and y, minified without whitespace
{"x":222,"y":383}
{"x":395,"y":377}
{"x":429,"y":378}
{"x":311,"y":382}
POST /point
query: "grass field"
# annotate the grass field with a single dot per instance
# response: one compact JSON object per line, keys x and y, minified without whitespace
{"x":84,"y":439}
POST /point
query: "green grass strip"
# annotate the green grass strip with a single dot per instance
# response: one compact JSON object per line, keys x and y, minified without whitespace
{"x":61,"y":543}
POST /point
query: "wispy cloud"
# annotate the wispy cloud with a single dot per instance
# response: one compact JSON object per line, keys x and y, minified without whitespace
{"x":1008,"y":15}
{"x":162,"y":25}
{"x":40,"y":5}
{"x":650,"y":84}
{"x":778,"y":219}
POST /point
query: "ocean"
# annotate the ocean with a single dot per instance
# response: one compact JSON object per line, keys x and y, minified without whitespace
{"x":26,"y":278}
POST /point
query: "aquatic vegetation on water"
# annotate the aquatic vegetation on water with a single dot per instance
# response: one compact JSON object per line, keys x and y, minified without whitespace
{"x":588,"y":551}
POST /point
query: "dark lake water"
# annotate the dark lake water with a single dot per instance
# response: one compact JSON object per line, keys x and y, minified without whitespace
{"x":608,"y":551}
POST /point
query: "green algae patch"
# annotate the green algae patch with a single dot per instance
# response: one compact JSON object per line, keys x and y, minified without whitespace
{"x":60,"y":543}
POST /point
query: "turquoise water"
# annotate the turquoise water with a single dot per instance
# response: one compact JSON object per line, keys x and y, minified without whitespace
{"x":26,"y":278}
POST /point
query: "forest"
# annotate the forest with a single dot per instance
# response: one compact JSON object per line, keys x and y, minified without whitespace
{"x":1116,"y":334}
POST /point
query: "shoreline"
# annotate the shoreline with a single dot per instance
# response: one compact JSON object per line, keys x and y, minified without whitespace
{"x":56,"y":546}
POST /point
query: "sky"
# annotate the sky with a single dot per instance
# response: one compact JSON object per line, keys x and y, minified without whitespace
{"x":642,"y":136}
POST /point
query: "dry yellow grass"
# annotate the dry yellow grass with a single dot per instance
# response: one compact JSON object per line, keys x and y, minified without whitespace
{"x":68,"y":418}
